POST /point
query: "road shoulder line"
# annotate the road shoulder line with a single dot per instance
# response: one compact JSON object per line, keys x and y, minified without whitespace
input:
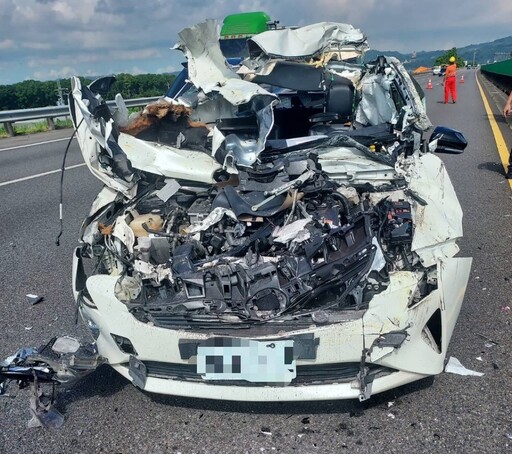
{"x":498,"y":136}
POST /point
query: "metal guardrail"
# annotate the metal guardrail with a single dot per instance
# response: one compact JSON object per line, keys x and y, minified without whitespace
{"x":8,"y":117}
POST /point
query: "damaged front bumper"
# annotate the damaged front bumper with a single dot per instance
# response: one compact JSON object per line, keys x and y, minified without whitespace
{"x":394,"y":342}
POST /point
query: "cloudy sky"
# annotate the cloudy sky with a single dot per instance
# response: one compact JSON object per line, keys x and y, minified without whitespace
{"x":47,"y":39}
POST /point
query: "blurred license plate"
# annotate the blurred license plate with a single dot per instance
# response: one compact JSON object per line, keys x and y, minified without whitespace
{"x":226,"y":358}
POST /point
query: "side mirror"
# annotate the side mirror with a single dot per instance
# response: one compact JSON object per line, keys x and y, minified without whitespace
{"x":448,"y":140}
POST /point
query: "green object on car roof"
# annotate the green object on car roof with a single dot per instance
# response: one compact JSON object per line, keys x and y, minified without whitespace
{"x":244,"y":25}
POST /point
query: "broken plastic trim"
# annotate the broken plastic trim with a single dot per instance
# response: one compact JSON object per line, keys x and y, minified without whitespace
{"x":63,"y":360}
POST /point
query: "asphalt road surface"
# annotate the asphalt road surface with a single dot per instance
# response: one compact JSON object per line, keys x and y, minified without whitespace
{"x":105,"y":413}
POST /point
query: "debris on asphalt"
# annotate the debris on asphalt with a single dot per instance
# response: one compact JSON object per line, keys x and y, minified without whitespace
{"x":490,"y":343}
{"x":479,"y":358}
{"x":506,"y":309}
{"x":34,"y":299}
{"x":391,"y":415}
{"x":62,"y":360}
{"x":454,"y":366}
{"x":42,"y":410}
{"x":266,"y":431}
{"x":28,"y":328}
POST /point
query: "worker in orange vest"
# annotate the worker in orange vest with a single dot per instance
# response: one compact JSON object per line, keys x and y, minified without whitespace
{"x":450,"y":81}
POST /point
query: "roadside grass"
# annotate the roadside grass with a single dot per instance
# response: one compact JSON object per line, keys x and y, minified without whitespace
{"x":33,"y":128}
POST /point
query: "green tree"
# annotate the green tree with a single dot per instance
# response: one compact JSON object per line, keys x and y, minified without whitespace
{"x":445,"y":58}
{"x":7,"y":98}
{"x":32,"y":93}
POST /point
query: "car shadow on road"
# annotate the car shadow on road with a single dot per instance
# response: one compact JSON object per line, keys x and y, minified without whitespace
{"x":352,"y":408}
{"x":491,"y":166}
{"x":103,"y":382}
{"x":106,"y":382}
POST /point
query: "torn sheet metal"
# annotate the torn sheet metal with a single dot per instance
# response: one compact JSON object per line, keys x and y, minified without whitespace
{"x":310,"y":41}
{"x":244,"y":152}
{"x":438,"y":223}
{"x":207,"y":67}
{"x":376,"y":106}
{"x":208,"y":71}
{"x":169,"y":161}
{"x":105,"y":159}
{"x":410,"y":94}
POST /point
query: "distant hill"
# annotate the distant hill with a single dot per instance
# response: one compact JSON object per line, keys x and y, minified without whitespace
{"x":500,"y":49}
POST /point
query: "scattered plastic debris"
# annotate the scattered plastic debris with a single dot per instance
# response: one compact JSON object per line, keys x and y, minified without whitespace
{"x":391,"y":415}
{"x":28,"y":328}
{"x":391,"y":403}
{"x":65,"y":344}
{"x":506,"y":309}
{"x":454,"y":366}
{"x":266,"y":431}
{"x":34,"y":299}
{"x":479,"y":358}
{"x":509,"y":435}
{"x":42,"y":410}
{"x":490,"y":343}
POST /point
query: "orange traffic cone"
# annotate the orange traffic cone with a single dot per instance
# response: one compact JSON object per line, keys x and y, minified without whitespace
{"x":429,"y":85}
{"x":462,"y":79}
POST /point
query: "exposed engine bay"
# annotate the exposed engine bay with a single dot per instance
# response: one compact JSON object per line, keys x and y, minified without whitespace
{"x":284,"y":242}
{"x":276,"y":221}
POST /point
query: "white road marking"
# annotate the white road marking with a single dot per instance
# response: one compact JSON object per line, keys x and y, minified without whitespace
{"x":5,"y":183}
{"x":35,"y":144}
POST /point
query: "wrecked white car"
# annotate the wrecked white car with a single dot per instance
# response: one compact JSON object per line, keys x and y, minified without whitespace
{"x":278,"y":231}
